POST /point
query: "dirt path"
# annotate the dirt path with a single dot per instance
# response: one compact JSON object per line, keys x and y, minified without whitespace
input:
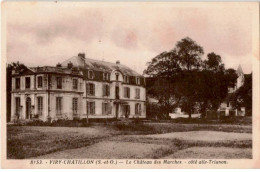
{"x":211,"y":153}
{"x":127,"y":149}
{"x":108,"y":150}
{"x":203,"y":136}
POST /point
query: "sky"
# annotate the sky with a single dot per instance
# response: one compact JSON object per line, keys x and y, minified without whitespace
{"x":45,"y":33}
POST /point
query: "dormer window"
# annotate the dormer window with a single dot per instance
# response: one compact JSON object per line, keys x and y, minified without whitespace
{"x":90,"y":74}
{"x":137,"y":80}
{"x":105,"y":76}
{"x":126,"y":79}
{"x":117,"y":76}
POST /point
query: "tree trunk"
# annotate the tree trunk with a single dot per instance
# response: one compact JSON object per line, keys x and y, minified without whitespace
{"x":189,"y":114}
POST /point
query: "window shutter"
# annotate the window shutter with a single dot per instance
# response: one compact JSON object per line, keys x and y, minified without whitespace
{"x":125,"y":92}
{"x":93,"y":89}
{"x":135,"y":108}
{"x":103,"y":108}
{"x":108,"y":90}
{"x":104,"y":90}
{"x":61,"y":104}
{"x":94,"y":109}
{"x":87,"y":104}
{"x":87,"y":88}
{"x":139,"y":109}
{"x":110,"y":108}
{"x":128,"y":92}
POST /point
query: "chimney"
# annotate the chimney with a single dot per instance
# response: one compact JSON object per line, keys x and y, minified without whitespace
{"x":58,"y":65}
{"x":70,"y":65}
{"x":117,"y":62}
{"x":81,"y":55}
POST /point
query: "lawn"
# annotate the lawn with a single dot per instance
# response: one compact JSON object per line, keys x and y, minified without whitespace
{"x":29,"y":141}
{"x":103,"y":141}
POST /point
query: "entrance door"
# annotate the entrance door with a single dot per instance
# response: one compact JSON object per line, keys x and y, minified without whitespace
{"x":28,"y":108}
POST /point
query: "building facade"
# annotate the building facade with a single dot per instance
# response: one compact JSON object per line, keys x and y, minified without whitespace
{"x":226,"y":108}
{"x":78,"y":88}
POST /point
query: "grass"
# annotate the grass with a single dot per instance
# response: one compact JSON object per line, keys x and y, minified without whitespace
{"x":30,"y":141}
{"x":158,"y":128}
{"x":175,"y":145}
{"x":26,"y":141}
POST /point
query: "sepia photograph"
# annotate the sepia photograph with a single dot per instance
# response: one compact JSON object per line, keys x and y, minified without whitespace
{"x":137,"y":83}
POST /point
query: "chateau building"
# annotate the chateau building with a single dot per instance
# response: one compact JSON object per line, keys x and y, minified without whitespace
{"x":77,"y":88}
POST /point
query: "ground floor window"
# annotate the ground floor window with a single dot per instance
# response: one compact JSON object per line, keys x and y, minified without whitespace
{"x":91,"y":108}
{"x":106,"y":108}
{"x":58,"y":105}
{"x":75,"y":106}
{"x":17,"y":106}
{"x":40,"y":105}
{"x":126,"y":110}
{"x":138,"y":109}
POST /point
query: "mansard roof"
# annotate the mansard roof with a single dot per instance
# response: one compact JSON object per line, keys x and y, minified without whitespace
{"x":98,"y":65}
{"x":57,"y":70}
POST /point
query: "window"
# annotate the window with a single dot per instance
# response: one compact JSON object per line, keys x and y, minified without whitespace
{"x":137,"y":93}
{"x":106,"y":108}
{"x":126,"y":79}
{"x":90,"y":74}
{"x":39,"y":105}
{"x":75,"y":84}
{"x":126,"y":92}
{"x":106,"y":76}
{"x":106,"y":90}
{"x":75,"y":106}
{"x":27,"y":82}
{"x":58,"y":105}
{"x":138,"y":109}
{"x":59,"y":83}
{"x":137,"y":81}
{"x":117,"y":76}
{"x":39,"y":81}
{"x":17,"y":83}
{"x":17,"y":105}
{"x":91,"y":108}
{"x":90,"y":89}
{"x":117,"y":92}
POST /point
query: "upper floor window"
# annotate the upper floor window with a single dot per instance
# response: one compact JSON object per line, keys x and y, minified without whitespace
{"x":105,"y":76}
{"x":17,"y":83}
{"x":75,"y":105}
{"x":117,"y":76}
{"x":137,"y":80}
{"x":126,"y":79}
{"x":58,"y":105}
{"x":75,"y":83}
{"x":90,"y":74}
{"x":126,"y":92}
{"x":27,"y":82}
{"x":39,"y":81}
{"x":90,"y":89}
{"x":137,"y":93}
{"x":39,"y":105}
{"x":106,"y":90}
{"x":59,"y":83}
